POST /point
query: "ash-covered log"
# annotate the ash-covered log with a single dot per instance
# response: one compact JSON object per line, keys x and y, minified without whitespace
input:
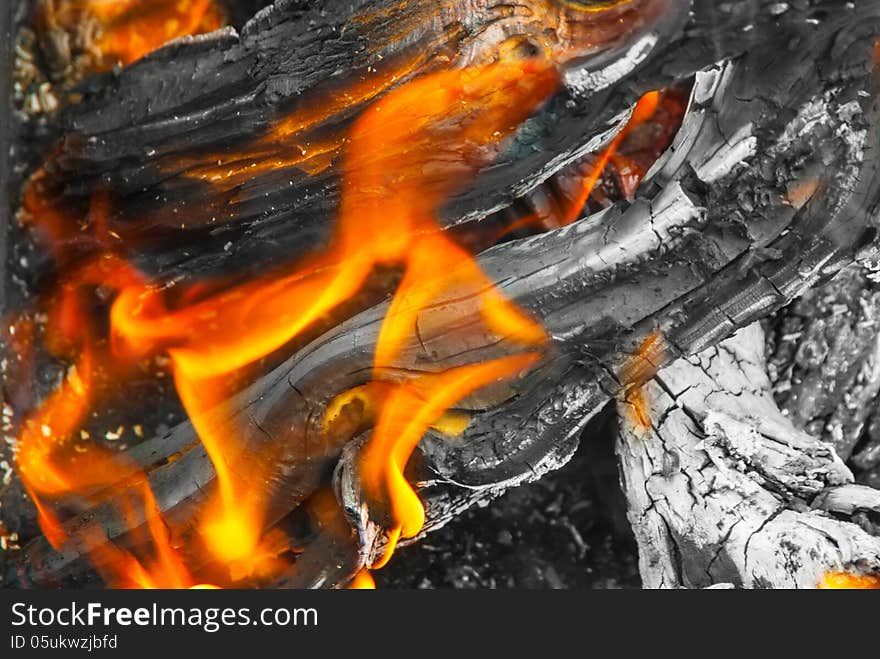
{"x":723,"y":488}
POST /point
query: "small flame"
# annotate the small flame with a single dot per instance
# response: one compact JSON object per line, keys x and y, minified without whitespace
{"x":643,"y":111}
{"x":363,"y":580}
{"x":400,"y":165}
{"x":641,"y":364}
{"x":648,"y":132}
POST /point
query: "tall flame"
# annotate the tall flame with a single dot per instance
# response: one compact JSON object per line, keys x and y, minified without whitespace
{"x":402,"y":162}
{"x":407,"y":154}
{"x":400,"y":166}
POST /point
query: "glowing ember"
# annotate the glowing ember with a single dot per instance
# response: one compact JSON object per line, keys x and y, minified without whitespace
{"x":126,"y":30}
{"x":640,"y":365}
{"x":617,"y":169}
{"x":846,"y":581}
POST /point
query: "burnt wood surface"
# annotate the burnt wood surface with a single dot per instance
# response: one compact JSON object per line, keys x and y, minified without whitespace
{"x":146,"y":132}
{"x":7,"y":195}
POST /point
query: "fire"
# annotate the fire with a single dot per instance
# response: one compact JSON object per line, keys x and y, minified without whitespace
{"x":291,"y":141}
{"x":401,"y":163}
{"x":644,"y":110}
{"x":126,"y":30}
{"x":363,"y":580}
{"x":617,"y":168}
{"x":52,"y":465}
{"x":409,"y":152}
{"x":409,"y":410}
{"x":847,"y":581}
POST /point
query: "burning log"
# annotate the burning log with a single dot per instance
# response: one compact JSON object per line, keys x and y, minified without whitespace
{"x":159,"y":135}
{"x":768,"y":188}
{"x":685,"y":325}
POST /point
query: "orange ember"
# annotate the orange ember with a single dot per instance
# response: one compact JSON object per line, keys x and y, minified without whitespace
{"x":407,"y":412}
{"x":846,"y":581}
{"x":642,"y":364}
{"x":617,"y":169}
{"x":126,"y":30}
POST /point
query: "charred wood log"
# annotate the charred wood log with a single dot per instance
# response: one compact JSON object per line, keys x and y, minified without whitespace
{"x":714,"y":319}
{"x":737,"y":219}
{"x":153,"y":133}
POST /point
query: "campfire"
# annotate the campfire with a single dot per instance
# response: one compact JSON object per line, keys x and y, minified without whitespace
{"x":289,"y":287}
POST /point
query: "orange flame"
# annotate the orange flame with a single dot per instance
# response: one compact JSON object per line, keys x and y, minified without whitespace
{"x":291,"y":142}
{"x":51,"y":465}
{"x":363,"y":580}
{"x":401,"y":164}
{"x":407,"y":154}
{"x":648,"y":132}
{"x":406,"y":415}
{"x":643,"y":111}
{"x":404,"y":157}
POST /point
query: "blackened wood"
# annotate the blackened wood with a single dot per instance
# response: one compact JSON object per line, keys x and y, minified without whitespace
{"x":6,"y":134}
{"x":140,"y":133}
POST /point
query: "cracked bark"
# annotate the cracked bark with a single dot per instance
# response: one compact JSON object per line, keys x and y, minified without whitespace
{"x":723,"y":488}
